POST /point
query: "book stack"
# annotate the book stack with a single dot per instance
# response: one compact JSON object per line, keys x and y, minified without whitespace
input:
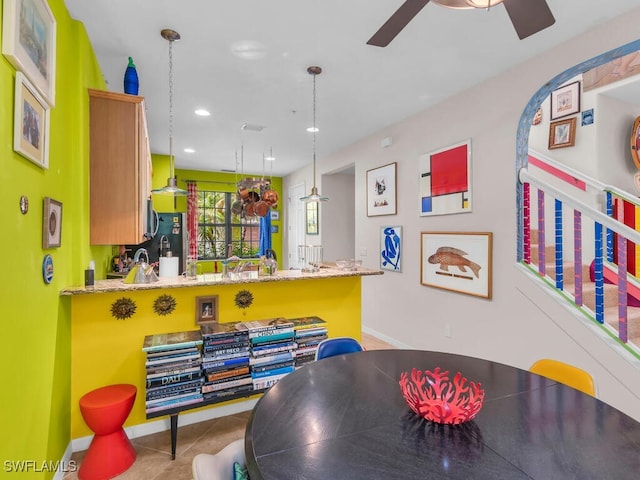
{"x":272,"y":350}
{"x":225,"y":361}
{"x":173,"y":367}
{"x":309,"y":332}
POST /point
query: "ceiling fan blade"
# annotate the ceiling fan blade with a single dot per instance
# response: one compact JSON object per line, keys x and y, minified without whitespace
{"x":529,"y":16}
{"x":397,"y":22}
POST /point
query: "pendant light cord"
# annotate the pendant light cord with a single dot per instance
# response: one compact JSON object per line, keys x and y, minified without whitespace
{"x":314,"y":130}
{"x":171,"y":108}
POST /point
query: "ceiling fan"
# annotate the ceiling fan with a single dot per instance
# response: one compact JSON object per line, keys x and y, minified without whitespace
{"x":527,"y":16}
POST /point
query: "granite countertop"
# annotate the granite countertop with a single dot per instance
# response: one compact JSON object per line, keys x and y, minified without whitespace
{"x":118,"y":285}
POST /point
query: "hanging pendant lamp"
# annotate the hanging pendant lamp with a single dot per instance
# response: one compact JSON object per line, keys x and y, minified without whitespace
{"x":172,"y":183}
{"x":314,"y":196}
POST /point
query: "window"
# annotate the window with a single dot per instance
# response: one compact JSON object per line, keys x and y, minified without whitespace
{"x":219,"y":227}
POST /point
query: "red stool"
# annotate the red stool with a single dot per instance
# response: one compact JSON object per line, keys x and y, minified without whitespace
{"x":105,"y":410}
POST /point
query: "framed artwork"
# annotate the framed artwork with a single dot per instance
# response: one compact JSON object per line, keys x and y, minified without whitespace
{"x":29,"y":43}
{"x":312,"y":218}
{"x":381,"y":190}
{"x":207,"y":309}
{"x":565,"y":100}
{"x":30,"y":123}
{"x":562,"y":133}
{"x":51,"y":223}
{"x":445,"y":180}
{"x":391,"y":248}
{"x":457,"y":261}
{"x":275,"y":215}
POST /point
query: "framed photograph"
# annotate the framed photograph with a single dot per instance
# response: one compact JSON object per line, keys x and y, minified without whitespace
{"x":391,"y":248}
{"x":381,"y":190}
{"x":445,"y":180}
{"x":312,"y":218}
{"x":565,"y":100}
{"x":51,"y":223}
{"x":29,"y":43}
{"x":31,"y":123}
{"x":562,"y":133}
{"x":207,"y":309}
{"x":457,"y":261}
{"x":275,"y":215}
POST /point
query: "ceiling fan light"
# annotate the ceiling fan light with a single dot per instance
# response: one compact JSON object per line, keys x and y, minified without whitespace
{"x":483,"y":3}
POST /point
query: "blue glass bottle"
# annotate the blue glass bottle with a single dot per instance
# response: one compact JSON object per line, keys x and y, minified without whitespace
{"x":131,"y":79}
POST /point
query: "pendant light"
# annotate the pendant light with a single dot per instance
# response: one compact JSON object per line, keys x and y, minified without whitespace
{"x":314,"y":196}
{"x":172,"y":183}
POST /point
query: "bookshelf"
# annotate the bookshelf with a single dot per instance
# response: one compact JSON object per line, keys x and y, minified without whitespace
{"x":221,"y":362}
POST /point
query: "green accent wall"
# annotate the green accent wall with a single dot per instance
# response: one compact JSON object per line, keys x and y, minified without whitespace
{"x":36,"y":331}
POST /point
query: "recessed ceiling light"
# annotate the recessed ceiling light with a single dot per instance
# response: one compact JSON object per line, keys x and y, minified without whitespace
{"x":271,"y":159}
{"x":249,"y":49}
{"x":202,"y":112}
{"x":313,"y":129}
{"x":189,"y":150}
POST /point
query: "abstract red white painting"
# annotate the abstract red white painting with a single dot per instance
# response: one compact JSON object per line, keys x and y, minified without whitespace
{"x":445,"y":180}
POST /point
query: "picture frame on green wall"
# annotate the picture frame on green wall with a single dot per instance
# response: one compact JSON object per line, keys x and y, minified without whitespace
{"x":31,"y":123}
{"x":29,"y":43}
{"x":51,"y":223}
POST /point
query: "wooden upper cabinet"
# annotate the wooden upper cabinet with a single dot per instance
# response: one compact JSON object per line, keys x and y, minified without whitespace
{"x":120,"y":169}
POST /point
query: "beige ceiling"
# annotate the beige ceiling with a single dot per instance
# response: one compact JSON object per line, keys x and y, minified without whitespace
{"x":361,"y":90}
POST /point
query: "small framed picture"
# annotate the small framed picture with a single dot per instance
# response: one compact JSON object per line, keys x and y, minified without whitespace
{"x":207,"y":309}
{"x":562,"y":133}
{"x":457,"y":261}
{"x":275,"y":215}
{"x":381,"y":190}
{"x":565,"y":100}
{"x":51,"y":223}
{"x":31,"y":123}
{"x":29,"y":43}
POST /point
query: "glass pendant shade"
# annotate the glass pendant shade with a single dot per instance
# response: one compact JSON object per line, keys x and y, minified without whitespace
{"x":172,"y":183}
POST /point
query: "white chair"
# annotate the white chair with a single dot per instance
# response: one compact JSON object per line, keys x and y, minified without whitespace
{"x":218,"y":466}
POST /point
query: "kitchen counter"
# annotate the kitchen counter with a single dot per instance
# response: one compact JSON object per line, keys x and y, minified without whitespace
{"x":214,"y":279}
{"x":107,"y":346}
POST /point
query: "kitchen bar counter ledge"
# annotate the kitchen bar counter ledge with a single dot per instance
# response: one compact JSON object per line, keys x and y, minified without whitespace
{"x":118,"y":285}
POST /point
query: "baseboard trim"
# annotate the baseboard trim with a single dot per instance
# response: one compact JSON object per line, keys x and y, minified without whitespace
{"x":141,"y":430}
{"x":385,"y":338}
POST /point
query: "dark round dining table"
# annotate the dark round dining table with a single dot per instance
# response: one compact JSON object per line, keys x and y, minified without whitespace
{"x":344,"y":418}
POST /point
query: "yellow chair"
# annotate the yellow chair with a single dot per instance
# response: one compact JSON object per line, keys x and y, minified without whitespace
{"x":564,"y":373}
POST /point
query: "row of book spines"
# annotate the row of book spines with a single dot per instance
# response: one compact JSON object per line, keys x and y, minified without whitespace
{"x":175,"y":404}
{"x":170,"y":347}
{"x":211,"y":366}
{"x":257,"y":382}
{"x":309,"y":332}
{"x":169,"y":392}
{"x":172,"y":358}
{"x":225,"y":341}
{"x":171,"y":379}
{"x":173,"y":398}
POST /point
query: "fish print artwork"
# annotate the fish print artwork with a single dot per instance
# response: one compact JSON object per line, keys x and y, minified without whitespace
{"x":454,"y":257}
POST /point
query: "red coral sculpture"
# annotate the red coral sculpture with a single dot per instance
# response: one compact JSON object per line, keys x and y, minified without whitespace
{"x":432,"y":395}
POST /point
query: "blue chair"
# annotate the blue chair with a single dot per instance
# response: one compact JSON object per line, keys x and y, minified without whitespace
{"x":337,"y":346}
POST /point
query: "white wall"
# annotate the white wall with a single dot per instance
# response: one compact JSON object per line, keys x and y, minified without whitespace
{"x":337,"y":215}
{"x":521,"y":323}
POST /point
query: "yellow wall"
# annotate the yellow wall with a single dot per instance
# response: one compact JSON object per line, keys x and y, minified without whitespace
{"x":106,"y":350}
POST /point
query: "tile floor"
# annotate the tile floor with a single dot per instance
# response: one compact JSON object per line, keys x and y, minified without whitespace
{"x":154,"y":451}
